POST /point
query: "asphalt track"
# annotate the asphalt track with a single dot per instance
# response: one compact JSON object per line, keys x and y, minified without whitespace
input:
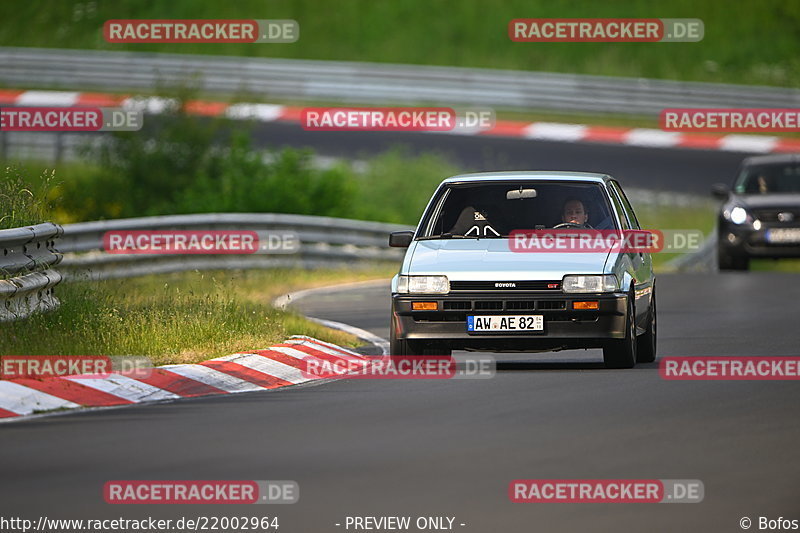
{"x":450,"y":448}
{"x":678,"y":170}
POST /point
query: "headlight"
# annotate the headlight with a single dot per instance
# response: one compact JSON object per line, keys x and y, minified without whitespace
{"x":582,"y":283}
{"x":423,"y":285}
{"x":738,"y":215}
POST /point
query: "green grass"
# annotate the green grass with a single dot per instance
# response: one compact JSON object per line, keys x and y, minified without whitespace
{"x":746,"y":42}
{"x":178,"y":318}
{"x":24,"y":201}
{"x":780,"y":265}
{"x":673,"y":218}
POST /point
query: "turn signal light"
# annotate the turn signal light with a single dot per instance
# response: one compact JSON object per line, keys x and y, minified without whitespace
{"x":424,"y":306}
{"x":586,"y":305}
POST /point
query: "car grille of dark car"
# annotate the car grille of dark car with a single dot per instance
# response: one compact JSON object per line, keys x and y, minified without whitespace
{"x":771,"y":215}
{"x":507,"y":305}
{"x":554,"y":285}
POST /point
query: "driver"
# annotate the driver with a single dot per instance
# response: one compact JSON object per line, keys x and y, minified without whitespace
{"x":574,"y":212}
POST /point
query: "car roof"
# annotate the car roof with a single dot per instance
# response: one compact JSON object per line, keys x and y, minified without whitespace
{"x":774,"y":158}
{"x":589,"y":177}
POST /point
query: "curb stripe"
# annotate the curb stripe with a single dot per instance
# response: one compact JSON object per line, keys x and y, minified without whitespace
{"x":306,"y":352}
{"x":282,"y":358}
{"x":215,"y":378}
{"x":248,"y":374}
{"x":125,"y":387}
{"x":24,"y":401}
{"x":48,"y":98}
{"x":316,"y":349}
{"x":177,"y":384}
{"x":342,"y":349}
{"x":98,"y":100}
{"x":9,"y":96}
{"x":272,"y":368}
{"x":609,"y":135}
{"x":313,"y":343}
{"x":552,"y":131}
{"x":73,"y":392}
{"x":268,"y":366}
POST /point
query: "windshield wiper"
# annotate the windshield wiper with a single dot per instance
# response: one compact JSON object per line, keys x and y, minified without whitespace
{"x":447,"y":236}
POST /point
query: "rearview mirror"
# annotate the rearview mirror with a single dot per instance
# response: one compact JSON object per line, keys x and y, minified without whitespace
{"x":720,"y":191}
{"x":519,"y":194}
{"x":401,"y":239}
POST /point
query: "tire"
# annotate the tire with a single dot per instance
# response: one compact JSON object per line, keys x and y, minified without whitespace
{"x":621,"y":353}
{"x":646,"y":343}
{"x":397,"y":346}
{"x":731,"y":261}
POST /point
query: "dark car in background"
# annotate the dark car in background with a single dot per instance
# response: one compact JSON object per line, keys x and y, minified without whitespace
{"x":760,"y":216}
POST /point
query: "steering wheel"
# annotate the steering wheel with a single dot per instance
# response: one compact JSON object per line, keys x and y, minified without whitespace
{"x":568,"y":225}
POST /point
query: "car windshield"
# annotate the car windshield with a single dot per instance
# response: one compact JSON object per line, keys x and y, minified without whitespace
{"x":769,"y":179}
{"x":494,"y":210}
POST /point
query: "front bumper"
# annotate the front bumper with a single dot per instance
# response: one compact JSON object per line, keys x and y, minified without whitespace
{"x":745,"y":240}
{"x":564,"y":327}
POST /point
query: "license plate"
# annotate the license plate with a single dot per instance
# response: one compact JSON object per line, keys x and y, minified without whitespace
{"x":501,"y":323}
{"x":783,"y":235}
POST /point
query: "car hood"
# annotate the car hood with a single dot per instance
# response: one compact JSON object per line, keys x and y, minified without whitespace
{"x":491,"y":259}
{"x":760,"y":201}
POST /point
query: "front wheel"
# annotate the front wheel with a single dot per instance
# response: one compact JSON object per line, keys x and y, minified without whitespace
{"x":727,"y":260}
{"x":397,"y":346}
{"x":621,"y":353}
{"x":646,"y":344}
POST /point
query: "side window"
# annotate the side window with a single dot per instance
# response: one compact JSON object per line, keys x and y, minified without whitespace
{"x":623,"y":218}
{"x":626,"y":205}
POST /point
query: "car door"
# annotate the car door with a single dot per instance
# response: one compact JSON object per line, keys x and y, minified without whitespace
{"x":642,"y":262}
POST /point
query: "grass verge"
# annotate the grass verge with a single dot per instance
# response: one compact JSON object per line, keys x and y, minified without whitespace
{"x":673,"y":218}
{"x":178,"y":318}
{"x":755,"y":43}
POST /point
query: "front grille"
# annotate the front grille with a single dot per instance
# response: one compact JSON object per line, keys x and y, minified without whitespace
{"x":553,"y":285}
{"x":457,"y":306}
{"x":508,"y":305}
{"x":520,"y":305}
{"x":771,"y":215}
{"x":552,"y":304}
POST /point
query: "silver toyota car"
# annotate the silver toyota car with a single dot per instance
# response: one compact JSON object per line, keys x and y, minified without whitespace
{"x":480,"y":273}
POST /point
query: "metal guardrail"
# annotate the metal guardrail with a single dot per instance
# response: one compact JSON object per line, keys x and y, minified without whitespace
{"x":324,"y":241}
{"x":702,"y":260}
{"x":352,"y":82}
{"x":27,"y":281}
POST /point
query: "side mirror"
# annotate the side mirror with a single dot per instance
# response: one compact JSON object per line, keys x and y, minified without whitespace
{"x":401,"y":239}
{"x":720,"y":191}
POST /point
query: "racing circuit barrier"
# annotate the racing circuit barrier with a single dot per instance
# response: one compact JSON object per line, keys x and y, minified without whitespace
{"x":375,"y":83}
{"x":30,"y":253}
{"x":26,"y":274}
{"x":323,"y":242}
